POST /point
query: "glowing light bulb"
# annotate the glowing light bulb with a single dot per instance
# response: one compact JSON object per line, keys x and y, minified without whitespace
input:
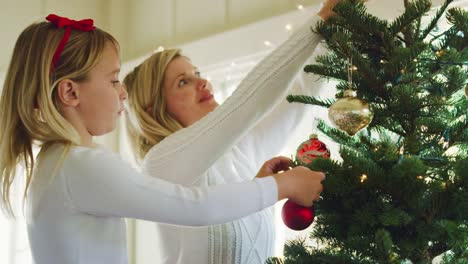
{"x":267,"y":43}
{"x":159,"y":49}
{"x":363,"y":178}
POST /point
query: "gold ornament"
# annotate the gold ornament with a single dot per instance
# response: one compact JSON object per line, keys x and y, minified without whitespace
{"x":349,"y":113}
{"x":440,"y":53}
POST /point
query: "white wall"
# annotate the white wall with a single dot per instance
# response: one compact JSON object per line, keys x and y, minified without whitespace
{"x":15,"y":15}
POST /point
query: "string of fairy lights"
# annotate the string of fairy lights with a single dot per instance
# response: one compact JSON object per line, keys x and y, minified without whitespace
{"x":227,"y":75}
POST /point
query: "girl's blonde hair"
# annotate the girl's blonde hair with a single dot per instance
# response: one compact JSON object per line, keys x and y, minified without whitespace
{"x":148,"y":122}
{"x":29,"y":107}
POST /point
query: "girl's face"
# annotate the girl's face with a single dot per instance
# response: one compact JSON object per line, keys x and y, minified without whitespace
{"x":102,"y":94}
{"x":188,"y":96}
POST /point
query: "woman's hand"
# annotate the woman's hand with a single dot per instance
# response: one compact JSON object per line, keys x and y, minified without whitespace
{"x":274,"y":166}
{"x":327,"y":8}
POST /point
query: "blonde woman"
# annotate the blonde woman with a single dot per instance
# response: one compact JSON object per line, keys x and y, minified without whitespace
{"x":178,"y":130}
{"x":61,"y":89}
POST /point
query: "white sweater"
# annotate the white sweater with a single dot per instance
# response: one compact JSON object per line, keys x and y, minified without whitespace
{"x":76,"y":217}
{"x":229,"y":145}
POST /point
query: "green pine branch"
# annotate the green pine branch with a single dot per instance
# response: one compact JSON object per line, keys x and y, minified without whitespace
{"x":440,"y":12}
{"x":403,"y":23}
{"x":458,"y":18}
{"x":304,"y":99}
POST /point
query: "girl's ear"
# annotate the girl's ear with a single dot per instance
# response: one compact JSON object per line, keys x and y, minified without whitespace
{"x":67,"y":92}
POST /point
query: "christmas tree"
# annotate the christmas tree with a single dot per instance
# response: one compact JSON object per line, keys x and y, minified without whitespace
{"x":400,"y":192}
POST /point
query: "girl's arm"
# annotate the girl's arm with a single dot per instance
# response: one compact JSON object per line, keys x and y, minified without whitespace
{"x":98,"y":182}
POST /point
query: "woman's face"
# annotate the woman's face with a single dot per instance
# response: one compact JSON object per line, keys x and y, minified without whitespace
{"x":188,"y":96}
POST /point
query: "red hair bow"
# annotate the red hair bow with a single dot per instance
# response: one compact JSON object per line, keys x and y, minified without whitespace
{"x":82,"y":25}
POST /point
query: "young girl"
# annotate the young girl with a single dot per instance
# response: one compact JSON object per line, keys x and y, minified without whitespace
{"x":61,"y":89}
{"x":173,"y":117}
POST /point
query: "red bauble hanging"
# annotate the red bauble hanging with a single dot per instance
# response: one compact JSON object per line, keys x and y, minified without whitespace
{"x":294,"y":216}
{"x":297,"y":217}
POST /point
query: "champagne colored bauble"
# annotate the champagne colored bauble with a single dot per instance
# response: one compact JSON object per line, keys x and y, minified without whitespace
{"x":350,"y":113}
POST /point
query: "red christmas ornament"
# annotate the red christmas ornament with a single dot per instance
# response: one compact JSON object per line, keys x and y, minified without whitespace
{"x":295,"y":216}
{"x":311,"y":149}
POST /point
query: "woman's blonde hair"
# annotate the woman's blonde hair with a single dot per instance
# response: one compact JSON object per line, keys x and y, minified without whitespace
{"x":148,"y":122}
{"x":29,"y":107}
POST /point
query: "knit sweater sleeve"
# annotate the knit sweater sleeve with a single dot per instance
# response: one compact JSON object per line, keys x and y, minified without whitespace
{"x":273,"y":131}
{"x":189,"y":152}
{"x":99,"y":182}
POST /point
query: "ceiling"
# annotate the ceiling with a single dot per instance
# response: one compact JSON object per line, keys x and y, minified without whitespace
{"x":143,"y":25}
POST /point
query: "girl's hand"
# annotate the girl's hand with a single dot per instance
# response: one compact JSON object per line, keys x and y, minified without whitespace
{"x":300,"y":184}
